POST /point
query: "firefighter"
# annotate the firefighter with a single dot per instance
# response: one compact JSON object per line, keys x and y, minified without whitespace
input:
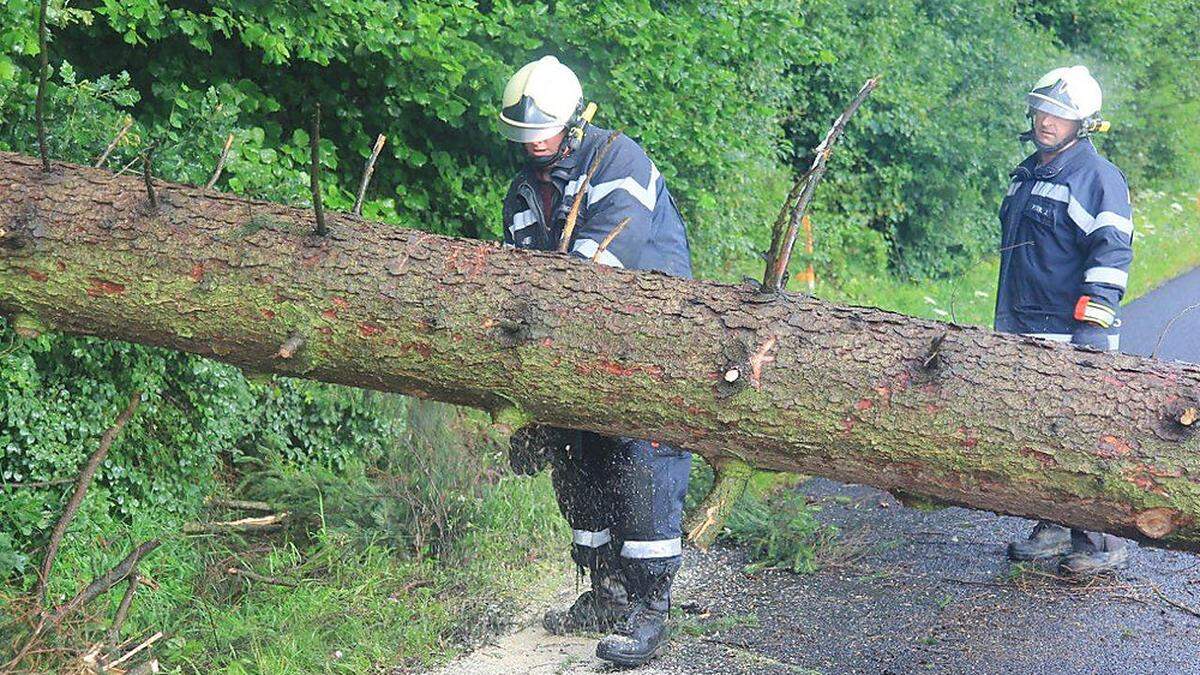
{"x":1066,"y":246}
{"x":623,"y":497}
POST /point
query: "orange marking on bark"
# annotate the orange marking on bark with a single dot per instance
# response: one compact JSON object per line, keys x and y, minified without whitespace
{"x":339,"y":303}
{"x":324,"y":330}
{"x":368,"y":329}
{"x":267,"y":313}
{"x":329,"y":313}
{"x":36,"y":275}
{"x":761,"y":359}
{"x":547,"y":342}
{"x":614,"y":368}
{"x":848,"y":424}
{"x":101,"y":287}
{"x":1111,"y":447}
{"x":933,"y":408}
{"x":421,"y":348}
{"x":863,"y":404}
{"x":885,"y":394}
{"x":197,"y":273}
{"x":1109,"y":379}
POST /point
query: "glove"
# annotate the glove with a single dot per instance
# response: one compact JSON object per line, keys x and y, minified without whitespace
{"x":530,"y":448}
{"x":1090,"y":335}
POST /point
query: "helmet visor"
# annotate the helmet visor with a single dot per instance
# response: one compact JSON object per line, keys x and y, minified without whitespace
{"x":525,"y":133}
{"x":1051,"y":106}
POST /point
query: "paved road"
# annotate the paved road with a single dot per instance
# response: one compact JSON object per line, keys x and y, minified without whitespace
{"x":1145,"y":319}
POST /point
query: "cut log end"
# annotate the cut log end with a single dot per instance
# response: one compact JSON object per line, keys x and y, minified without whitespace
{"x":1156,"y":523}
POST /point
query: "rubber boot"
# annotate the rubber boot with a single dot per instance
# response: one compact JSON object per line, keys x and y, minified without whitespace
{"x":1094,"y":554}
{"x":640,"y":637}
{"x":1046,"y":541}
{"x":597,"y":610}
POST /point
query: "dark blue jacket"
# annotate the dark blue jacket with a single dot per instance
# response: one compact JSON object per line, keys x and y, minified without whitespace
{"x":1066,"y":234}
{"x":626,"y":185}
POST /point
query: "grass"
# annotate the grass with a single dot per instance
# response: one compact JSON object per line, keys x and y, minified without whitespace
{"x":359,"y":608}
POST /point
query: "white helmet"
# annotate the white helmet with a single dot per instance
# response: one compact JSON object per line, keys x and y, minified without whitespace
{"x":542,"y":99}
{"x":1070,"y":93}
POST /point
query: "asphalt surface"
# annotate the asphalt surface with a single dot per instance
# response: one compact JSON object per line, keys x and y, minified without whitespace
{"x":1146,"y":319}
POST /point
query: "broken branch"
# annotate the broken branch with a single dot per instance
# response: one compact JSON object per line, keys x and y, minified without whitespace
{"x":609,"y":238}
{"x":220,"y":163}
{"x":580,"y":194}
{"x":103,"y":583}
{"x":43,"y":73}
{"x":367,"y":171}
{"x":123,"y":609}
{"x":264,"y":523}
{"x":81,"y":488}
{"x":729,"y":483}
{"x":784,"y":240}
{"x":115,"y":142}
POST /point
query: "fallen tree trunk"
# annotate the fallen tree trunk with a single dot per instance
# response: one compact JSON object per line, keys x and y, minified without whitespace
{"x":954,"y":413}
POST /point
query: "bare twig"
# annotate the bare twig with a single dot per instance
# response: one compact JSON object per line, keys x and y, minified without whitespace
{"x":239,"y":504}
{"x":367,"y":171}
{"x":609,"y":238}
{"x":123,"y":609}
{"x":105,"y":582}
{"x":43,"y":73}
{"x":148,"y":176}
{"x":115,"y":142}
{"x":220,"y":163}
{"x":249,"y":574}
{"x":136,"y":650}
{"x":271,"y":522}
{"x":580,"y":194}
{"x":314,"y":179}
{"x":1166,"y":329}
{"x":81,"y":488}
{"x":783,"y":240}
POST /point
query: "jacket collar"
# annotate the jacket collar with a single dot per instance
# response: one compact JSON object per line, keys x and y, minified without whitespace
{"x":1029,"y":168}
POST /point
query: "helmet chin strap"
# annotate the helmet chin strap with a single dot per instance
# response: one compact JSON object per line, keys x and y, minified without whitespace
{"x":1046,"y":148}
{"x":571,"y":139}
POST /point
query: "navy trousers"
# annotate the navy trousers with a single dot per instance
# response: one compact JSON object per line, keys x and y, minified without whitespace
{"x":623,"y":497}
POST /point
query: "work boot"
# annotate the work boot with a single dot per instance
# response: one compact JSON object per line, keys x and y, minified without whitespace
{"x":639,"y":638}
{"x":597,"y":610}
{"x":1046,"y":541}
{"x":1094,"y":554}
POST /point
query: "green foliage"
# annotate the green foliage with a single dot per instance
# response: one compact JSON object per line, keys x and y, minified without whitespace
{"x":779,"y":531}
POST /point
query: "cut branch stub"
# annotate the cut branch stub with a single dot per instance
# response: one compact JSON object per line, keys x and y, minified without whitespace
{"x":314,"y":175}
{"x":730,"y":478}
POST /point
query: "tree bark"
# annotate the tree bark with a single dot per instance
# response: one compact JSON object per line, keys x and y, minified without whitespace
{"x":954,"y":413}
